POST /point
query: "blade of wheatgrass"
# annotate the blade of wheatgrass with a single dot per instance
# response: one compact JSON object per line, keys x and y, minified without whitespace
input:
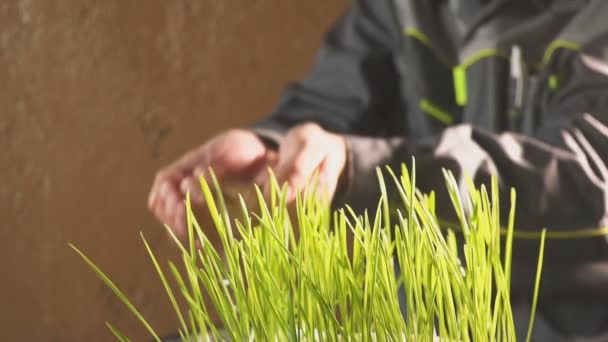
{"x":300,"y":296}
{"x":406,"y":270}
{"x":166,"y":285}
{"x":117,"y":292}
{"x":120,"y":336}
{"x":291,"y":319}
{"x":272,"y":305}
{"x":222,"y":308}
{"x":238,"y":285}
{"x":265,"y":215}
{"x":384,"y":199}
{"x":189,"y":216}
{"x":368,"y":276}
{"x":196,"y":227}
{"x":408,"y":185}
{"x":277,"y":239}
{"x":183,"y":337}
{"x":195,"y":309}
{"x":284,"y":219}
{"x":191,"y":320}
{"x":539,"y":270}
{"x":198,"y":309}
{"x":189,"y":263}
{"x":203,"y":317}
{"x":263,"y":313}
{"x":453,"y":191}
{"x":190,"y":260}
{"x":509,"y":239}
{"x":246,"y":217}
{"x":443,"y":316}
{"x":392,"y":316}
{"x":193,"y":296}
{"x":454,"y":285}
{"x":352,"y":222}
{"x":213,"y":278}
{"x":495,"y":316}
{"x":224,"y":212}
{"x":249,"y":284}
{"x":252,"y":292}
{"x":503,"y":318}
{"x":177,"y":241}
{"x":275,"y":188}
{"x":214,"y":211}
{"x":386,"y":271}
{"x":232,"y":278}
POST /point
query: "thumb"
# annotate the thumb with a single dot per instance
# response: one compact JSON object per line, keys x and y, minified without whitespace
{"x":263,"y":176}
{"x":296,"y":165}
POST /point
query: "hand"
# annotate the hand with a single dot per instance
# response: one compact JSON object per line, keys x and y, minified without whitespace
{"x":307,"y":149}
{"x":236,"y":156}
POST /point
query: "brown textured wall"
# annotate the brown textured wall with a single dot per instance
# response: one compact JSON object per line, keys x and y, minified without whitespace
{"x":94,"y":97}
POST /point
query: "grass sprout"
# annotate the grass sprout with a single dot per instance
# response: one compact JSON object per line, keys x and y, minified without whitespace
{"x":312,"y":274}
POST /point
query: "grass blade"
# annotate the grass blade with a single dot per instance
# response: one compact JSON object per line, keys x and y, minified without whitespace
{"x":117,"y":292}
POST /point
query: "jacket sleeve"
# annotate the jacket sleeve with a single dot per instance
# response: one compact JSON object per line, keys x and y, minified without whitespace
{"x":560,"y":174}
{"x":352,"y":81}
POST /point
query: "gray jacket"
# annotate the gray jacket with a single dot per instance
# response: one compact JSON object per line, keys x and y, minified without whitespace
{"x":515,"y":89}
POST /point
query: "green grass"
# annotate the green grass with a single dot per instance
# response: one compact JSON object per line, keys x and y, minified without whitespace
{"x":330,"y":276}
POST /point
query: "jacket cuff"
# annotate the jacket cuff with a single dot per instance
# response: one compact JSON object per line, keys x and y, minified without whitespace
{"x":270,"y":137}
{"x":360,"y":188}
{"x":271,"y":130}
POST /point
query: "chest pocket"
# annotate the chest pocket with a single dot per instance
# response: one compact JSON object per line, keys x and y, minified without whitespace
{"x":426,"y":86}
{"x":497,"y":80}
{"x":503,"y":69}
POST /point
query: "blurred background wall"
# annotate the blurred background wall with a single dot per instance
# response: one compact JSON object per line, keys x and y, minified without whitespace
{"x":95,"y":96}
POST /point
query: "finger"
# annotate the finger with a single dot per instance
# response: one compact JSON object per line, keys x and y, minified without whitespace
{"x":166,"y":201}
{"x":224,"y":165}
{"x":169,"y":175}
{"x":241,"y":182}
{"x":296,"y":168}
{"x":261,"y":179}
{"x":178,"y":222}
{"x":271,"y":157}
{"x":226,"y":184}
{"x":180,"y":226}
{"x":220,"y":173}
{"x":205,"y":157}
{"x":171,"y":210}
{"x":199,"y":171}
{"x":152,"y":196}
{"x":236,"y":155}
{"x":271,"y":161}
{"x":190,"y":185}
{"x":332,"y":169}
{"x":328,"y":177}
{"x":158,"y":209}
{"x":171,"y":203}
{"x":158,"y":197}
{"x":193,"y":158}
{"x":202,"y":173}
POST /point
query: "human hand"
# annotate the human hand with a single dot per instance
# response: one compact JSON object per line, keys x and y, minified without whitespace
{"x":308,"y":149}
{"x":236,"y":156}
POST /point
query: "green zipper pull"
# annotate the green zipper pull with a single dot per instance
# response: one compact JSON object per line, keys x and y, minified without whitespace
{"x":459,"y":74}
{"x":554,"y":81}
